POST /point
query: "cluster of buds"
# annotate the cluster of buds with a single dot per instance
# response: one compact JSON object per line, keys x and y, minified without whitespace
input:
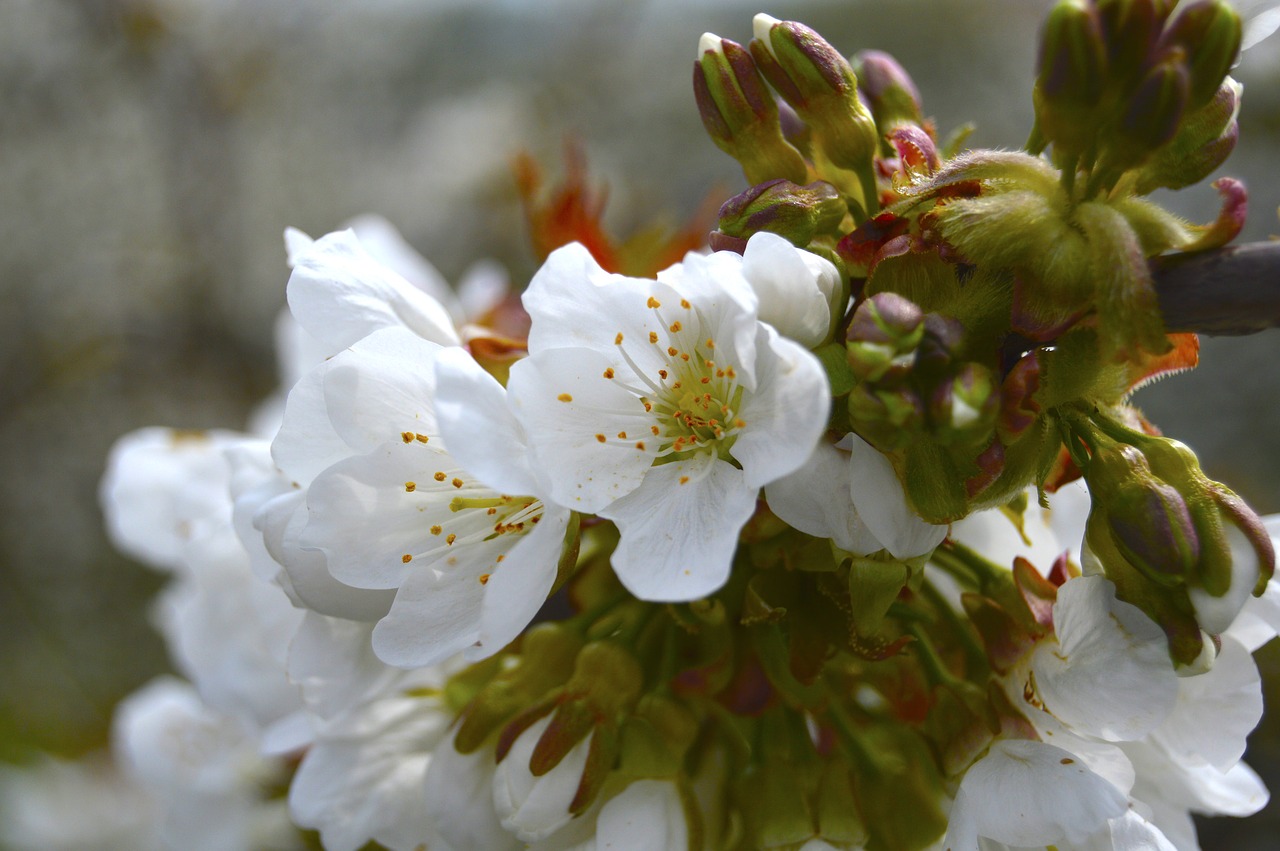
{"x":823,"y":129}
{"x":1119,"y":82}
{"x":1178,"y":545}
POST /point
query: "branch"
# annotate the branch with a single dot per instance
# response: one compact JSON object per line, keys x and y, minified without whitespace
{"x":1228,"y":291}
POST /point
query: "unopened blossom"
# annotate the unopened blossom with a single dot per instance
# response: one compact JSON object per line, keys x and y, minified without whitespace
{"x":663,"y":406}
{"x":648,"y":815}
{"x":534,"y":807}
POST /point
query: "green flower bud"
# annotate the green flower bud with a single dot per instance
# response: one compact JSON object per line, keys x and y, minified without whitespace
{"x":886,"y":418}
{"x":883,"y":336}
{"x":1154,"y":111}
{"x":798,"y":213}
{"x":1071,"y":75}
{"x":820,"y":85}
{"x":1209,"y":34}
{"x":1205,"y":139}
{"x":887,"y":89}
{"x":963,"y":409}
{"x":939,"y":346}
{"x":1131,"y":29}
{"x":740,"y":114}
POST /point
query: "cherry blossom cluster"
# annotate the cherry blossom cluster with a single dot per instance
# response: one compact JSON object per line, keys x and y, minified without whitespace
{"x":838,"y":532}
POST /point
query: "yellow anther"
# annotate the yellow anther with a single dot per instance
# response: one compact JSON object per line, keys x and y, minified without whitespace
{"x":421,"y":438}
{"x":439,"y":477}
{"x":653,"y":302}
{"x":457,"y":483}
{"x":410,"y":487}
{"x":601,"y":438}
{"x":684,"y":304}
{"x":608,"y":373}
{"x":450,"y":538}
{"x":622,"y":435}
{"x":406,"y":558}
{"x":640,"y":445}
{"x":673,"y":351}
{"x":653,"y":336}
{"x":436,"y":530}
{"x":565,"y":397}
{"x":406,"y":436}
{"x":484,"y":579}
{"x":675,"y":326}
{"x":617,"y":341}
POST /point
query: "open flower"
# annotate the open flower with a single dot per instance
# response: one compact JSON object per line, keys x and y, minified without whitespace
{"x":663,"y":406}
{"x":390,"y":507}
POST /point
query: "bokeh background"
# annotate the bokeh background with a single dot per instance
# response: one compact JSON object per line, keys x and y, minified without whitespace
{"x":153,"y":151}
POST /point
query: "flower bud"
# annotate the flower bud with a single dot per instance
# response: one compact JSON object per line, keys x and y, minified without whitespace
{"x":1130,"y":28}
{"x":535,"y":805}
{"x":779,"y":206}
{"x":1205,"y":139}
{"x":739,"y":113}
{"x":885,"y":418}
{"x":1147,"y":518}
{"x":1071,"y":73}
{"x":887,"y":89}
{"x":883,"y":335}
{"x":939,"y":346}
{"x":1152,"y":114}
{"x":963,"y":408}
{"x":818,"y":82}
{"x":1209,"y":34}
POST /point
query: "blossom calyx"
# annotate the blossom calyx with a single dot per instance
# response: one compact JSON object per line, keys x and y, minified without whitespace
{"x":739,"y":112}
{"x":779,"y":206}
{"x":963,"y":408}
{"x":818,"y":82}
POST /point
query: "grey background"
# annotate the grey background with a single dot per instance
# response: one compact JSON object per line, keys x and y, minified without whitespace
{"x":153,"y":151}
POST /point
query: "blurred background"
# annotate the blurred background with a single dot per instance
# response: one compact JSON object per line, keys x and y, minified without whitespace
{"x":153,"y":151}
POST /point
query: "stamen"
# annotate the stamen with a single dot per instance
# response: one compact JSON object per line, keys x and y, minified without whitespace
{"x":406,"y":558}
{"x":565,"y":397}
{"x":410,"y":487}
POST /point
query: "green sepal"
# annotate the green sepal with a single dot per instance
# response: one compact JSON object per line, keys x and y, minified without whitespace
{"x":874,"y":584}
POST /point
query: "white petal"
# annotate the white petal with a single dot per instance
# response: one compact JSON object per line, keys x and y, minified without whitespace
{"x":786,"y":414}
{"x":1216,"y":710}
{"x":282,"y":520}
{"x":680,"y":529}
{"x":882,"y":504}
{"x":165,"y":488}
{"x":531,"y":807}
{"x":478,"y":426}
{"x":1109,"y":673}
{"x":566,"y":406}
{"x":340,"y":294}
{"x":1215,"y":614}
{"x":817,"y":500}
{"x":647,"y":816}
{"x":518,"y":588}
{"x":435,"y":614}
{"x":385,"y":244}
{"x":1026,"y":793}
{"x":306,"y":442}
{"x":458,"y":795}
{"x":572,"y":302}
{"x":794,"y":287}
{"x":725,"y":305}
{"x":1259,"y":618}
{"x":383,"y":387}
{"x":993,"y":534}
{"x":363,"y":516}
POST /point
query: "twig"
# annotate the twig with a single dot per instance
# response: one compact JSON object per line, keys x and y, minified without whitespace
{"x":1230,"y":291}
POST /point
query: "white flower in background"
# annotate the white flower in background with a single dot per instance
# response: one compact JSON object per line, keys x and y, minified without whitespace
{"x":165,"y":493}
{"x":849,"y":493}
{"x":390,"y":508}
{"x":53,"y":805}
{"x":203,"y":770}
{"x":376,"y":727}
{"x":663,"y":406}
{"x":795,"y":288}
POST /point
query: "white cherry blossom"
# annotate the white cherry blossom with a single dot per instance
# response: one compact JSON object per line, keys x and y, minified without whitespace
{"x":390,"y":508}
{"x":663,"y":406}
{"x":534,"y":807}
{"x":795,"y":288}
